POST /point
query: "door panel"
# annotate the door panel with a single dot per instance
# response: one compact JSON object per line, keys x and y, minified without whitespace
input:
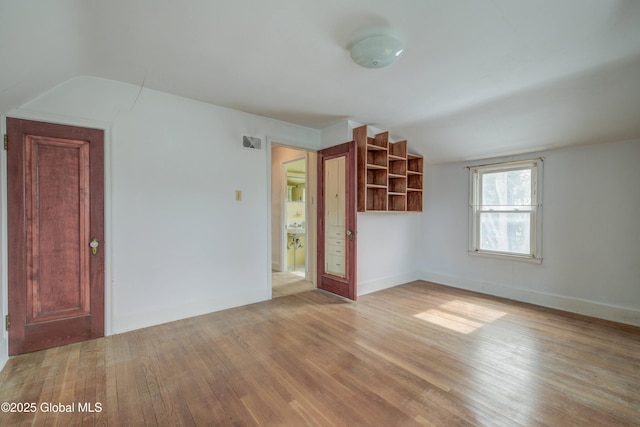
{"x":337,"y":220}
{"x":334,"y":214}
{"x":55,"y":209}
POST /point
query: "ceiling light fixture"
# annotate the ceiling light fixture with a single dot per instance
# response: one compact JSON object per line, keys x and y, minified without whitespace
{"x":376,"y":51}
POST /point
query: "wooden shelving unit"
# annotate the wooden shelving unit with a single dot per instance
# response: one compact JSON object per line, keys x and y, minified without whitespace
{"x":389,"y":178}
{"x":415,"y":166}
{"x":397,"y":186}
{"x":377,"y":172}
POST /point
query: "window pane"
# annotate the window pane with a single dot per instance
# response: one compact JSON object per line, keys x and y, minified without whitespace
{"x":505,"y":232}
{"x":506,"y":189}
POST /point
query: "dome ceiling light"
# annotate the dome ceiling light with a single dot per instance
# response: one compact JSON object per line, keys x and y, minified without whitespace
{"x":376,"y":51}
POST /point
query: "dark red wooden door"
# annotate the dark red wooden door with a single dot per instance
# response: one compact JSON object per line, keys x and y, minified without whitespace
{"x":337,"y":220}
{"x":55,"y":210}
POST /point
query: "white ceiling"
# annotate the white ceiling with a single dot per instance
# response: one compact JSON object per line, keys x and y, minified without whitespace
{"x":477,"y":78}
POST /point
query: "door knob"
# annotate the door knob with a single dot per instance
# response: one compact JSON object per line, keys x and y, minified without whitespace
{"x":94,"y":246}
{"x":350,"y":234}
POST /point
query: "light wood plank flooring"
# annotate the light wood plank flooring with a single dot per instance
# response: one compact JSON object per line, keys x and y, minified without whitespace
{"x":286,"y":283}
{"x":416,"y":355}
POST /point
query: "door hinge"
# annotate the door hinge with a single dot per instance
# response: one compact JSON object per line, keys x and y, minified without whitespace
{"x":6,"y":141}
{"x":7,"y":323}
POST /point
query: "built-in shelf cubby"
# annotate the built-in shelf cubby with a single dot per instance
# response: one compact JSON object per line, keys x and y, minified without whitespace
{"x":389,"y":177}
{"x":415,"y":165}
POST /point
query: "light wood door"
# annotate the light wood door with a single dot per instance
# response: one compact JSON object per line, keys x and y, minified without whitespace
{"x":337,"y":220}
{"x":55,"y":211}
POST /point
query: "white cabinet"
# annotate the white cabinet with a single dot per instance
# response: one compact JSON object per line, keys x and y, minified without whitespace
{"x":335,"y":250}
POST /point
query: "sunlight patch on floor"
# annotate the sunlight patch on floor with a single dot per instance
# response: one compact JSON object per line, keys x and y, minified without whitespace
{"x":460,"y":316}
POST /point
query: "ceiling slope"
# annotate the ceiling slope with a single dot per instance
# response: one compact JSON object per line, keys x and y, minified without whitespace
{"x":477,"y":79}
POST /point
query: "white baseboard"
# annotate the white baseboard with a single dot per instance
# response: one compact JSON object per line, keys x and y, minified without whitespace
{"x":4,"y":353}
{"x":123,"y":324}
{"x":574,"y":305}
{"x":386,"y":282}
{"x":276,"y":266}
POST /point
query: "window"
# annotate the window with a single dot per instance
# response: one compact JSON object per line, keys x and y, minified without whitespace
{"x":505,"y":211}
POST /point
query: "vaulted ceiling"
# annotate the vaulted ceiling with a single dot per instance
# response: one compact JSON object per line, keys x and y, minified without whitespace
{"x":477,"y":78}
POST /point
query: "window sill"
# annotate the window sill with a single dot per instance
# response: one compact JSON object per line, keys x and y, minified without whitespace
{"x":506,"y":257}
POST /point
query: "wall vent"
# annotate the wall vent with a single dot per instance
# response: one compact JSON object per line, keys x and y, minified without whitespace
{"x":252,"y":142}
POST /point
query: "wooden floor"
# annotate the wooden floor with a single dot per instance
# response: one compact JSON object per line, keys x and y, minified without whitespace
{"x":418,"y":354}
{"x":286,"y":283}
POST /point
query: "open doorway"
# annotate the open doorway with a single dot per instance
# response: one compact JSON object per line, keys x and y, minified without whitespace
{"x":295,"y":214}
{"x":293,"y":220}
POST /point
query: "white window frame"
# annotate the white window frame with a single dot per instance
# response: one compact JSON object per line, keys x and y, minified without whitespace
{"x":475,"y":208}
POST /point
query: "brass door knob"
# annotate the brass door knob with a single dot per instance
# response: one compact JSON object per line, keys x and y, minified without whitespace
{"x":94,"y":246}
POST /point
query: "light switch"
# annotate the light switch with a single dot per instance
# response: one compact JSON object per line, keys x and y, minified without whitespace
{"x":238,"y":195}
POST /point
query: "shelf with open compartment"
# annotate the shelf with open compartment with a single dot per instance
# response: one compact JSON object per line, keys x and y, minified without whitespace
{"x":389,"y":178}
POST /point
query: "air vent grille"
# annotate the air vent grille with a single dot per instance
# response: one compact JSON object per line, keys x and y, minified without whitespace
{"x":252,"y":142}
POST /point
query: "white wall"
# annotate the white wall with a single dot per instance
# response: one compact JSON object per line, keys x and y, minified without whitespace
{"x":336,"y":134}
{"x":590,"y":242}
{"x":388,"y":249}
{"x":179,"y":245}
